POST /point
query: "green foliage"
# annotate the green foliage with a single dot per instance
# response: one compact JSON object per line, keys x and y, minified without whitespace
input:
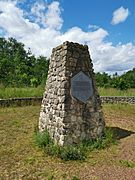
{"x":74,"y":152}
{"x":127,"y":163}
{"x":43,"y":139}
{"x":67,"y":152}
{"x":34,"y":82}
{"x":75,"y":178}
{"x":50,"y":177}
{"x":122,"y":82}
{"x":19,"y":67}
{"x":103,"y":80}
{"x":129,"y":78}
{"x":53,"y":150}
{"x":101,"y":143}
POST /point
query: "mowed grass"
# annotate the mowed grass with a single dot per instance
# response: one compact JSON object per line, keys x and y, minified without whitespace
{"x":9,"y":92}
{"x":20,"y":158}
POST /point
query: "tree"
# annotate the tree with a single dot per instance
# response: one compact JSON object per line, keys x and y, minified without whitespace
{"x":123,"y":82}
{"x":19,"y":67}
{"x":129,"y":77}
{"x":103,"y":80}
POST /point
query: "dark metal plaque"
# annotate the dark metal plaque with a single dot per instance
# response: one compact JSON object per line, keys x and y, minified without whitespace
{"x":81,"y":87}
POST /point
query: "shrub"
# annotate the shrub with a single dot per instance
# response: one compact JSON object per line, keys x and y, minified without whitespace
{"x":74,"y":152}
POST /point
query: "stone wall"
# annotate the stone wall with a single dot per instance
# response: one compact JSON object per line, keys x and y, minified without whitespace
{"x":118,"y":99}
{"x":20,"y":101}
{"x":37,"y":100}
{"x":67,"y":119}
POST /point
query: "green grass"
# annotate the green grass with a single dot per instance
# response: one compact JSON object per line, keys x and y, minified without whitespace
{"x":20,"y":158}
{"x":115,"y":92}
{"x":75,"y":178}
{"x":38,"y":92}
{"x":125,"y":110}
{"x":74,"y":152}
{"x":128,"y":164}
{"x":42,"y":139}
{"x":6,"y":93}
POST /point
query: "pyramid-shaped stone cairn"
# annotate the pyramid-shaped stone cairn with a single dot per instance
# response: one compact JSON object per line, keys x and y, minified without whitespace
{"x":71,"y":106}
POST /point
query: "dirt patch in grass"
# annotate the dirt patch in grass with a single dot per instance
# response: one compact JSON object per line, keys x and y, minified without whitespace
{"x":20,"y":158}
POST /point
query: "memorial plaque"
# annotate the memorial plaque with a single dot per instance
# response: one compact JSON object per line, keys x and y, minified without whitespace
{"x":81,"y":87}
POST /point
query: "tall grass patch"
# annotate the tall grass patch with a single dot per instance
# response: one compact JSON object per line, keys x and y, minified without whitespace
{"x":76,"y":151}
{"x":116,"y":92}
{"x":10,"y":92}
{"x":13,"y":92}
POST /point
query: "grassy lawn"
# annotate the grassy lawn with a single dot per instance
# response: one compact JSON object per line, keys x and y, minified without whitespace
{"x":38,"y":92}
{"x":20,"y":158}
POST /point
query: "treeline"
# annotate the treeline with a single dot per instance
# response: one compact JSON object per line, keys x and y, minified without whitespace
{"x":19,"y":68}
{"x":123,"y":82}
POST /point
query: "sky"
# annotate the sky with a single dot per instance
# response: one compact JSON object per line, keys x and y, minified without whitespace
{"x":106,"y":26}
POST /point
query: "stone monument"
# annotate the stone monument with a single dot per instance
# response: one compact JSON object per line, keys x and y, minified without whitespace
{"x":71,"y":106}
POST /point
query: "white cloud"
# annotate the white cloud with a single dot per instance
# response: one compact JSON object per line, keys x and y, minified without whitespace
{"x":41,"y":39}
{"x":52,"y":18}
{"x":78,"y":35}
{"x":119,"y":15}
{"x":11,"y":20}
{"x":38,"y":10}
{"x":93,"y":27}
{"x":111,"y":58}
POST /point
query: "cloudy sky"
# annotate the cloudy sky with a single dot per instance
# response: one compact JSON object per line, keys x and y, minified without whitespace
{"x":106,"y":26}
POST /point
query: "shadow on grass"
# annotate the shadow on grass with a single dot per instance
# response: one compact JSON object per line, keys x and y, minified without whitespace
{"x":120,"y":133}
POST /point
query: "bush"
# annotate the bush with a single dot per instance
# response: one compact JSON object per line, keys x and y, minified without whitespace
{"x":74,"y":152}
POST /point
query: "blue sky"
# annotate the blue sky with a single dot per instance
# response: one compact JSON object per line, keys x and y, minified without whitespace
{"x":106,"y":26}
{"x":81,"y":13}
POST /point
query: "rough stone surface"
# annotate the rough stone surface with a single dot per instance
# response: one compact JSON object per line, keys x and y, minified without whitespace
{"x":68,"y":119}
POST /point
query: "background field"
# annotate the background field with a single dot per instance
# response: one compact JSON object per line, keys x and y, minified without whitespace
{"x":38,"y":92}
{"x":21,"y":159}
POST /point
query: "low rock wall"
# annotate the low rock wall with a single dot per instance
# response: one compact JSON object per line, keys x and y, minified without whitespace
{"x":37,"y":100}
{"x":118,"y":99}
{"x":20,"y":101}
